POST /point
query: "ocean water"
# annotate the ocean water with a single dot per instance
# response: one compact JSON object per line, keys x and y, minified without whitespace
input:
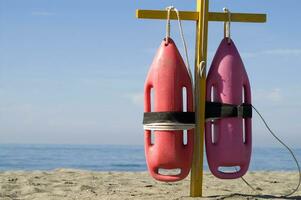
{"x":114,"y":158}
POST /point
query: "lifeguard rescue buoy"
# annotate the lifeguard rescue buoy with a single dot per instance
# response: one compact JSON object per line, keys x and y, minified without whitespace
{"x":228,"y":134}
{"x":167,"y":77}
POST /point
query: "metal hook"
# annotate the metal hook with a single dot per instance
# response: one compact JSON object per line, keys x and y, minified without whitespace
{"x":227,"y":25}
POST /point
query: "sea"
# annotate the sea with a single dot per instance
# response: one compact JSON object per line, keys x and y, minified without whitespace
{"x":30,"y":157}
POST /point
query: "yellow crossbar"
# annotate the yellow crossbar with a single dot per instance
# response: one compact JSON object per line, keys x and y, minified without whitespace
{"x":194,"y":16}
{"x":162,"y":14}
{"x":238,"y":17}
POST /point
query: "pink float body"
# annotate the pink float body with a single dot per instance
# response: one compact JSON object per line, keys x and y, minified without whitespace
{"x":225,"y":146}
{"x":167,"y":76}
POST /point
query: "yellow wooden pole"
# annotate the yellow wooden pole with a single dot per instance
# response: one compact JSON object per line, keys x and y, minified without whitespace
{"x":196,"y":181}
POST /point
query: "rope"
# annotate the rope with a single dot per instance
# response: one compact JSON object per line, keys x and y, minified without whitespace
{"x":227,"y":26}
{"x":168,"y":126}
{"x":168,"y":24}
{"x":287,"y":147}
{"x":169,"y":9}
{"x":202,"y":67}
{"x":184,"y":43}
{"x":248,"y":184}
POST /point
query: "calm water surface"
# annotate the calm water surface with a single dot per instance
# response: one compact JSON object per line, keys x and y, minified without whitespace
{"x":113,"y":158}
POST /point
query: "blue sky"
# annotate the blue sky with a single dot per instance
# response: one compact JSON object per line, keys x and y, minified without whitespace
{"x":72,"y":71}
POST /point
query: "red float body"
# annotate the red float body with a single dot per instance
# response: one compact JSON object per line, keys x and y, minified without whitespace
{"x":225,"y":145}
{"x":167,"y":77}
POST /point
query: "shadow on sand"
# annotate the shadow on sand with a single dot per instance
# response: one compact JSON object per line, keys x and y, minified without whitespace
{"x":255,"y":196}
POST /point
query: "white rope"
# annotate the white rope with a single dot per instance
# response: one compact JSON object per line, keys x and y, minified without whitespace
{"x":169,"y":9}
{"x":168,"y":24}
{"x":168,"y":126}
{"x":227,"y":31}
{"x":202,"y":67}
{"x":184,"y":43}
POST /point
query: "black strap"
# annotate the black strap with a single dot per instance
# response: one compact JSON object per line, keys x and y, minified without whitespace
{"x":218,"y":110}
{"x":214,"y":110}
{"x":169,"y":117}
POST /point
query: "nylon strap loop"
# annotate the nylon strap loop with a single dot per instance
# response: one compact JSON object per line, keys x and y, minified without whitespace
{"x":169,"y":120}
{"x":169,"y":117}
{"x":186,"y":120}
{"x":215,"y":110}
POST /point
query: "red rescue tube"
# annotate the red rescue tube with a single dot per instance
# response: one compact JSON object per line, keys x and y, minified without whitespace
{"x":166,"y":78}
{"x":228,"y":140}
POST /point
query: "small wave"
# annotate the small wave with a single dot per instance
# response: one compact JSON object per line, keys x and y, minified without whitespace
{"x":127,"y":165}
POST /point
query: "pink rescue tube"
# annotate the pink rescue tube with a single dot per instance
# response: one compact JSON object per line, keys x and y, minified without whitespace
{"x":228,"y":140}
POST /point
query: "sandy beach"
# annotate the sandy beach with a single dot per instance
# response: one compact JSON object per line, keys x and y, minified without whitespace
{"x":70,"y":184}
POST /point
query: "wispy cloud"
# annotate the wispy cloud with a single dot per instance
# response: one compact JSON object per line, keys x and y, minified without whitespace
{"x":294,"y":52}
{"x":136,"y":98}
{"x":42,"y":13}
{"x":273,"y":95}
{"x":273,"y":52}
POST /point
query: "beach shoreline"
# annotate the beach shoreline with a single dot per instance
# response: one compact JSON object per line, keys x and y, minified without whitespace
{"x":80,"y":184}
